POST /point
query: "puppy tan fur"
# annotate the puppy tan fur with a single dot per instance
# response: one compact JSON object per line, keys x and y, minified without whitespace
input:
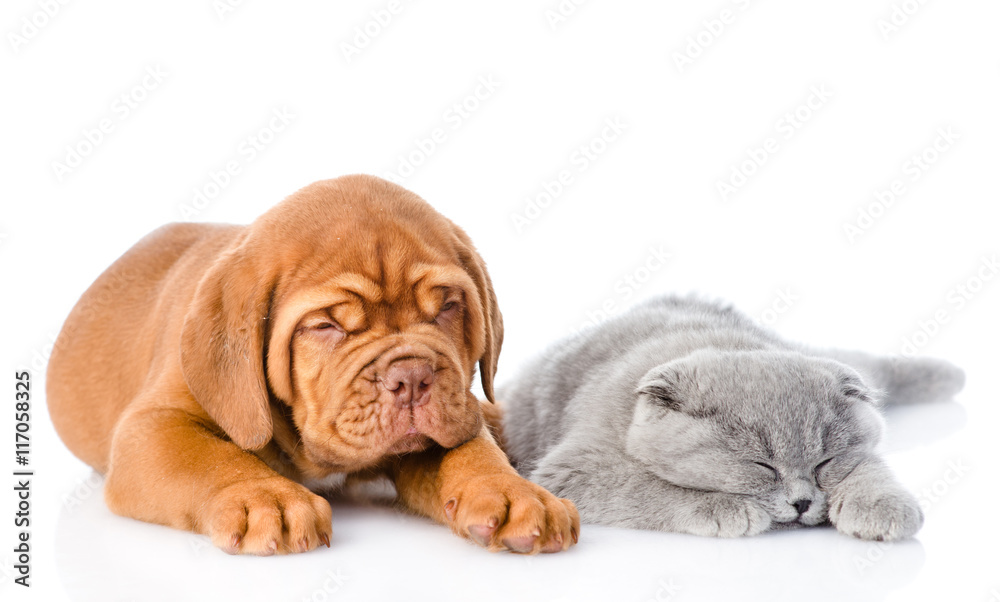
{"x":214,"y":372}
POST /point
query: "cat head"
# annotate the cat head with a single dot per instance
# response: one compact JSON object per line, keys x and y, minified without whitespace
{"x":778,"y":426}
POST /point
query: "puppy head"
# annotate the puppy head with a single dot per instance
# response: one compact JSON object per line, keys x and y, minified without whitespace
{"x":361,"y":309}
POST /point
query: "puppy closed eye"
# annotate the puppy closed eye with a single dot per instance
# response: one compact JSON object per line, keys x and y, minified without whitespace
{"x":449,"y":309}
{"x":322,"y":328}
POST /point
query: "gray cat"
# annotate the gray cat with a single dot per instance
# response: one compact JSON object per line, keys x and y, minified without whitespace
{"x":683,"y":415}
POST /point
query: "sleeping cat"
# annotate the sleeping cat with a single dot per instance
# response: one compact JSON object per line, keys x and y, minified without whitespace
{"x":683,"y":415}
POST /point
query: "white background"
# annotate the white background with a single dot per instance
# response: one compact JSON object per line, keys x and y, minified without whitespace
{"x":776,"y":247}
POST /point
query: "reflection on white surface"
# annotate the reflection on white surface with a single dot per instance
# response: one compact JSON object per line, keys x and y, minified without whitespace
{"x":908,"y":427}
{"x":381,"y":554}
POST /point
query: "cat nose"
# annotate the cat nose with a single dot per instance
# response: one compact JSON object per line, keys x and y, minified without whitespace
{"x":801,"y":506}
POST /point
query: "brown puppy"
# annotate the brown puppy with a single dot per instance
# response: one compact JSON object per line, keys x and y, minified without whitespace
{"x":215,"y":373}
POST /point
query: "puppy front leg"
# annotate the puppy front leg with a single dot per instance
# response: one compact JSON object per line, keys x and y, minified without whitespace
{"x":473,"y":489}
{"x":169,"y":466}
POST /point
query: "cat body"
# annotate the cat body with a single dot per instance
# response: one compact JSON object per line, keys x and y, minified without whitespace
{"x":684,"y":415}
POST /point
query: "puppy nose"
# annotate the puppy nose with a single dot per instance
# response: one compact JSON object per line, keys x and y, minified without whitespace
{"x":409,"y":381}
{"x":801,"y":506}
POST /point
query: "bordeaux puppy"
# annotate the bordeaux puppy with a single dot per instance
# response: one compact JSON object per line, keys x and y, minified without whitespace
{"x":216,"y":373}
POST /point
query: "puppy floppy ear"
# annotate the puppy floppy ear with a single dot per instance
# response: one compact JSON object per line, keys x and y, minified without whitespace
{"x":222,"y":347}
{"x":492,"y":319}
{"x":494,"y":338}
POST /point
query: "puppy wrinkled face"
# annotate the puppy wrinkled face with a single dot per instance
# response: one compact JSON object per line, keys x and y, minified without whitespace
{"x":380,"y":370}
{"x":780,"y":427}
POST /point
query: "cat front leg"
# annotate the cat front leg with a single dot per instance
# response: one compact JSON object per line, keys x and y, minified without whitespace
{"x":717,"y":514}
{"x":870,"y":504}
{"x":621,"y":492}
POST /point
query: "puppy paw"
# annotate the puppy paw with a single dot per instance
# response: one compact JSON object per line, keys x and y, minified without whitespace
{"x":727,"y":515}
{"x":883,"y":516}
{"x":268,"y":516}
{"x":508,"y":512}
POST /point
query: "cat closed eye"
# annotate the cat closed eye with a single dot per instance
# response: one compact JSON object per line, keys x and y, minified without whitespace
{"x":823,"y":479}
{"x":769,"y":467}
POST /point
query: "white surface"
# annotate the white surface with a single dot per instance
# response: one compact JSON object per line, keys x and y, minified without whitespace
{"x":781,"y":235}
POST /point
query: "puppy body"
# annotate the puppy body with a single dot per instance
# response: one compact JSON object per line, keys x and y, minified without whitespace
{"x":108,"y":351}
{"x":213,"y":369}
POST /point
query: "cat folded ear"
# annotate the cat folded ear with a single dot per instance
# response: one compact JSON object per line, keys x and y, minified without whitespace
{"x":664,"y":386}
{"x":852,"y":386}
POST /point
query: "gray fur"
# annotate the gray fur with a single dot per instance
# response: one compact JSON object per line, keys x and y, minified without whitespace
{"x":658,"y":419}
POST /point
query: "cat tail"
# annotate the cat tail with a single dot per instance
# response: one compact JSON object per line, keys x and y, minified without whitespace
{"x":901,"y":379}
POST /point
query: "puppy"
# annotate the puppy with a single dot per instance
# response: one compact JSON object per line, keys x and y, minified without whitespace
{"x":217,"y":373}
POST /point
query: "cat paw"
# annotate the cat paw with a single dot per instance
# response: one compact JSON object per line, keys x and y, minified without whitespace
{"x":884,"y":517}
{"x":728,"y":515}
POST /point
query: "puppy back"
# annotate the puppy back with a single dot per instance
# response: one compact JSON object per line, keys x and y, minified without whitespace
{"x":122,"y":328}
